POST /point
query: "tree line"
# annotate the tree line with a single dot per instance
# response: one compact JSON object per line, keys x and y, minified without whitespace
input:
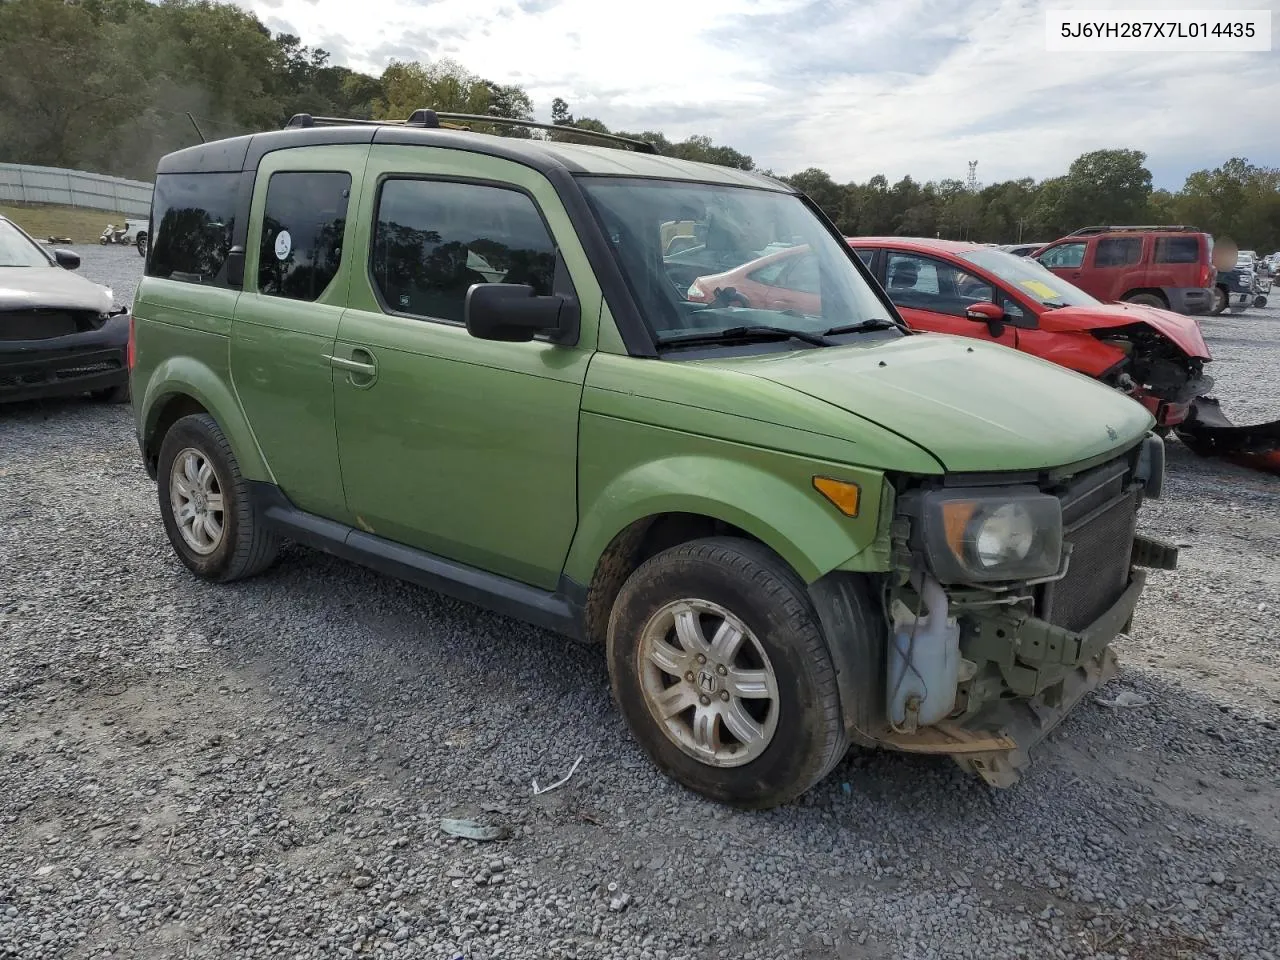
{"x":112,"y":85}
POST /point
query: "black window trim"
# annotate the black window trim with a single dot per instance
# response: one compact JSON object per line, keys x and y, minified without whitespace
{"x":561,"y":268}
{"x":266,"y":198}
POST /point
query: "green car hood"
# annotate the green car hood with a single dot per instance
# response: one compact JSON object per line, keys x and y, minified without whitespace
{"x":974,"y":406}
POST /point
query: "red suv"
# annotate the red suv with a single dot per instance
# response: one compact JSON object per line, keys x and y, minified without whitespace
{"x":943,"y":286}
{"x":1168,"y":267}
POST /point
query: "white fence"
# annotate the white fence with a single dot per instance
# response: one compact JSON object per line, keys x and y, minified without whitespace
{"x":74,"y":188}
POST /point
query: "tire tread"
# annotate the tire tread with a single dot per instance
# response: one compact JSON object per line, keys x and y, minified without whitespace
{"x":760,"y":570}
{"x":256,"y":546}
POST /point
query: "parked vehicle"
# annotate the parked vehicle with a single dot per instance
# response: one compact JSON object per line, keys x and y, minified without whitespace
{"x":1021,"y":249}
{"x":131,"y":232}
{"x":1166,"y":267}
{"x":973,"y":290}
{"x":60,"y":334}
{"x":789,"y":531}
{"x":1233,"y":289}
{"x":1153,"y":355}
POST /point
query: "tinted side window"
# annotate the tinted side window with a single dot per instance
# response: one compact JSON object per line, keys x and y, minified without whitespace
{"x":865,"y":255}
{"x":193,"y":215}
{"x":1118,"y":251}
{"x":926,"y":284}
{"x":1177,"y":250}
{"x":914,"y":274}
{"x":302,"y":228}
{"x":1064,"y":255}
{"x":434,"y":239}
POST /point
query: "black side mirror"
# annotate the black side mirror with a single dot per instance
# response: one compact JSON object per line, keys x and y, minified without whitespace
{"x":989,"y":313}
{"x":512,"y":312}
{"x":67,"y":259}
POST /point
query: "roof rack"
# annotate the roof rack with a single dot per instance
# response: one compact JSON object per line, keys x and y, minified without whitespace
{"x":431,"y":119}
{"x":1163,"y":228}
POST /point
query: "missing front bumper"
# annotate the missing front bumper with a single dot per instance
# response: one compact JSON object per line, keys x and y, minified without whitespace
{"x":1047,"y":669}
{"x":997,"y":745}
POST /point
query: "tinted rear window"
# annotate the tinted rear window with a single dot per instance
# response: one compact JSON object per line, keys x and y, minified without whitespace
{"x":193,"y":215}
{"x":302,"y":230}
{"x":1118,"y":252}
{"x":1177,"y":249}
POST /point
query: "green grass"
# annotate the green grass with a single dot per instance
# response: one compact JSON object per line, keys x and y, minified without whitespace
{"x":44,"y":220}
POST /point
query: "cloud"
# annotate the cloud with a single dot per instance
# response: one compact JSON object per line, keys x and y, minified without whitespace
{"x":856,"y":87}
{"x":276,"y":25}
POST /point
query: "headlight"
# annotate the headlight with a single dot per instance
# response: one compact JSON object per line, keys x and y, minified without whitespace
{"x":1011,"y":533}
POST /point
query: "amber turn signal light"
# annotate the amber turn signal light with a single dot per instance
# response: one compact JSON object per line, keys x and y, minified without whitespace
{"x":841,"y":493}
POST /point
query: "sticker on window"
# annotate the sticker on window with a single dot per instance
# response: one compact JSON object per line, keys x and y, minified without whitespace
{"x":1040,"y":289}
{"x":284,"y":245}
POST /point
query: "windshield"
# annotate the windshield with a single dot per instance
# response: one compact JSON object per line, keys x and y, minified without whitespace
{"x":1030,"y":279}
{"x":702,"y":258}
{"x":17,"y":251}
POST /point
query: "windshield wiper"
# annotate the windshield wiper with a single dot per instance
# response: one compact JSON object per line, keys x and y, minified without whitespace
{"x":757,"y":332}
{"x":875,"y":323}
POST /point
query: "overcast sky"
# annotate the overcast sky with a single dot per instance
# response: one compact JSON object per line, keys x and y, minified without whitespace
{"x":856,"y":87}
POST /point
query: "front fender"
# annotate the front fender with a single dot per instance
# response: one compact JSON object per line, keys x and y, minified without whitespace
{"x":177,"y":376}
{"x":772,"y":499}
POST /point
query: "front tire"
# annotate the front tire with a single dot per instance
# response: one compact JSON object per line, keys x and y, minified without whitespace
{"x":142,"y":244}
{"x":1148,"y":300}
{"x":205,"y":505}
{"x":719,"y":666}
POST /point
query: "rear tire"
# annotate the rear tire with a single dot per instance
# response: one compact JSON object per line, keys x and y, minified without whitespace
{"x":205,"y":504}
{"x":1148,"y":300}
{"x":142,"y":244}
{"x":760,"y":721}
{"x":1219,"y":302}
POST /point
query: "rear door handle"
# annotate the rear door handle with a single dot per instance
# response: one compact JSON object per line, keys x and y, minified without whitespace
{"x":354,"y":366}
{"x":361,"y":367}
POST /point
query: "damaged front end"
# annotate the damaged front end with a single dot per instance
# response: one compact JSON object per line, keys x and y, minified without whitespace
{"x":1007,"y":595}
{"x":1156,"y":372}
{"x":1172,"y":384}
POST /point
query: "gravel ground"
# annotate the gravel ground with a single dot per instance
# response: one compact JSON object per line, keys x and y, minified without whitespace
{"x":261,"y":770}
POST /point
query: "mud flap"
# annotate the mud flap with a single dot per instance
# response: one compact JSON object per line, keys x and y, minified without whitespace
{"x":1027,"y":722}
{"x":1208,"y":432}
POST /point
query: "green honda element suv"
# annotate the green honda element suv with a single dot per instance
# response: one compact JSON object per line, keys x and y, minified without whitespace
{"x":475,"y":362}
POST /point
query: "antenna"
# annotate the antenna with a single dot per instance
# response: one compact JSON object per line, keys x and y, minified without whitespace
{"x":972,"y":183}
{"x":197,"y":126}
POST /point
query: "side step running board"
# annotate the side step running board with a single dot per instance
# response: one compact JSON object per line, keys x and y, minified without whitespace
{"x":499,"y":594}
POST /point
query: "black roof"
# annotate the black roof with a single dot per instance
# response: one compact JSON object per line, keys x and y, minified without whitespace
{"x":237,"y":154}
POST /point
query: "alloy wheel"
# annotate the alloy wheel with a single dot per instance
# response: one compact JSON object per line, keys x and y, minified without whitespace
{"x":708,"y":683}
{"x":196,"y":500}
